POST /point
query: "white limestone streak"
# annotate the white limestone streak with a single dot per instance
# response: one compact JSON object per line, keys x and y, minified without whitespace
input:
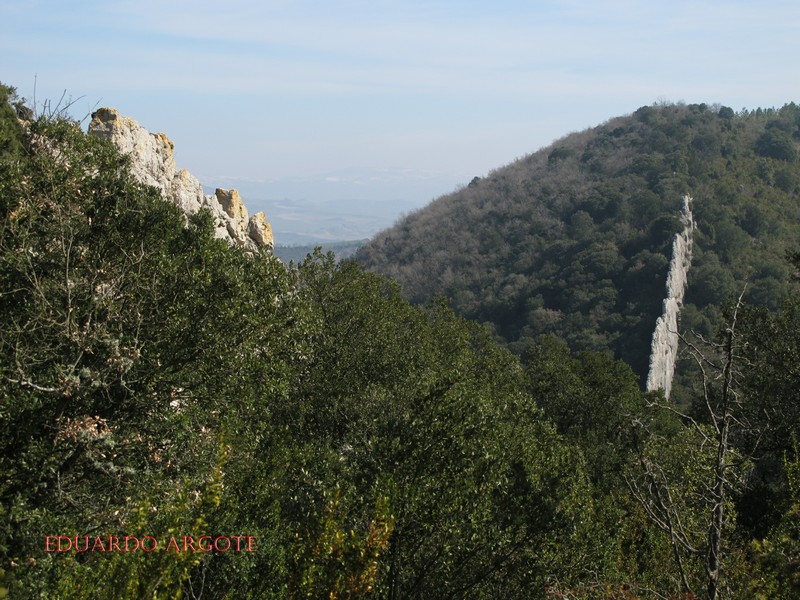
{"x":664,"y":348}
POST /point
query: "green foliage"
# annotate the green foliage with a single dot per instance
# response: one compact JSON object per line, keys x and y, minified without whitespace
{"x":334,"y":563}
{"x":11,"y":132}
{"x":592,"y":400}
{"x":159,"y":574}
{"x":595,"y":402}
{"x":424,"y":408}
{"x":778,"y":144}
{"x":775,"y":574}
{"x":773,"y":346}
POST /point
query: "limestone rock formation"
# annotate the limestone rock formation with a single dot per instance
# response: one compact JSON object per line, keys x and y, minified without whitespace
{"x":664,"y":348}
{"x":153,"y":164}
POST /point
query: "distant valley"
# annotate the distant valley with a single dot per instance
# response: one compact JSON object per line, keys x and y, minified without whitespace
{"x":298,"y":252}
{"x":344,"y":205}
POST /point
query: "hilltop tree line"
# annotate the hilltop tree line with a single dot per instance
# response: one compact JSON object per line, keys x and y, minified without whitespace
{"x":155,"y":381}
{"x":575,"y":240}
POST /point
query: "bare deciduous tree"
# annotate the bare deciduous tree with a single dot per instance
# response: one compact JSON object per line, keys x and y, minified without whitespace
{"x":686,"y":491}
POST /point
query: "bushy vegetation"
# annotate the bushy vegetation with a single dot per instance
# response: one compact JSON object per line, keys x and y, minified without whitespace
{"x":155,"y":381}
{"x":575,"y":240}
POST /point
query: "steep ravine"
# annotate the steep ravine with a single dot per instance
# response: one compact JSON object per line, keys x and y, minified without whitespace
{"x":664,"y":348}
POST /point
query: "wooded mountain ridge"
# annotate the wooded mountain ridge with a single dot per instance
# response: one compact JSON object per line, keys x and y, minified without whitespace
{"x":574,"y":240}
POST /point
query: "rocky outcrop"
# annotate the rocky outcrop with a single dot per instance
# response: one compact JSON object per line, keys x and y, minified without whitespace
{"x":664,"y":348}
{"x":153,"y":164}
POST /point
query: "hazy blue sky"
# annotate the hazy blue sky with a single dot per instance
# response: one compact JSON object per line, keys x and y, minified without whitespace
{"x":451,"y":89}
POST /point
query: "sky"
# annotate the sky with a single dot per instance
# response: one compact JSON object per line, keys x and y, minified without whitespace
{"x":388,"y":103}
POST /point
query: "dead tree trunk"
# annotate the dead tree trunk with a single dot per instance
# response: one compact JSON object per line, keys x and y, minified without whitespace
{"x":706,"y":540}
{"x":722,"y":424}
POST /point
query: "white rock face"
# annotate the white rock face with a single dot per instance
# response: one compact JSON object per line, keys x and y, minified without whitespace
{"x":664,"y":348}
{"x":153,"y":164}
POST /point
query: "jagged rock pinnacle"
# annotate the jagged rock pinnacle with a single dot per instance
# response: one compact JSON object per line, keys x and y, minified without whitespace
{"x":153,"y":164}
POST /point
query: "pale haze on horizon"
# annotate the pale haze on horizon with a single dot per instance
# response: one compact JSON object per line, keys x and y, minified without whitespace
{"x":394,"y":101}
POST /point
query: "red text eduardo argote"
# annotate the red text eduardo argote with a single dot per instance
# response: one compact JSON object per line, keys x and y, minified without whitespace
{"x":148,"y":543}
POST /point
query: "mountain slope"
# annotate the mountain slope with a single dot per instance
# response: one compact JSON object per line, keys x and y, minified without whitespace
{"x":575,"y":239}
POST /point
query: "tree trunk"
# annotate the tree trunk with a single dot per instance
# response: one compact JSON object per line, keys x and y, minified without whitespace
{"x":722,"y":422}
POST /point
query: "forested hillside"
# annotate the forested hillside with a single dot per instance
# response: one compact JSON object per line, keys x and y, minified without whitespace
{"x":164,"y":393}
{"x":575,"y":239}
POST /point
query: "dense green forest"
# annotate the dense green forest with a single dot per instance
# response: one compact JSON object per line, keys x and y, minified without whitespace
{"x":157,"y":383}
{"x":575,"y":240}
